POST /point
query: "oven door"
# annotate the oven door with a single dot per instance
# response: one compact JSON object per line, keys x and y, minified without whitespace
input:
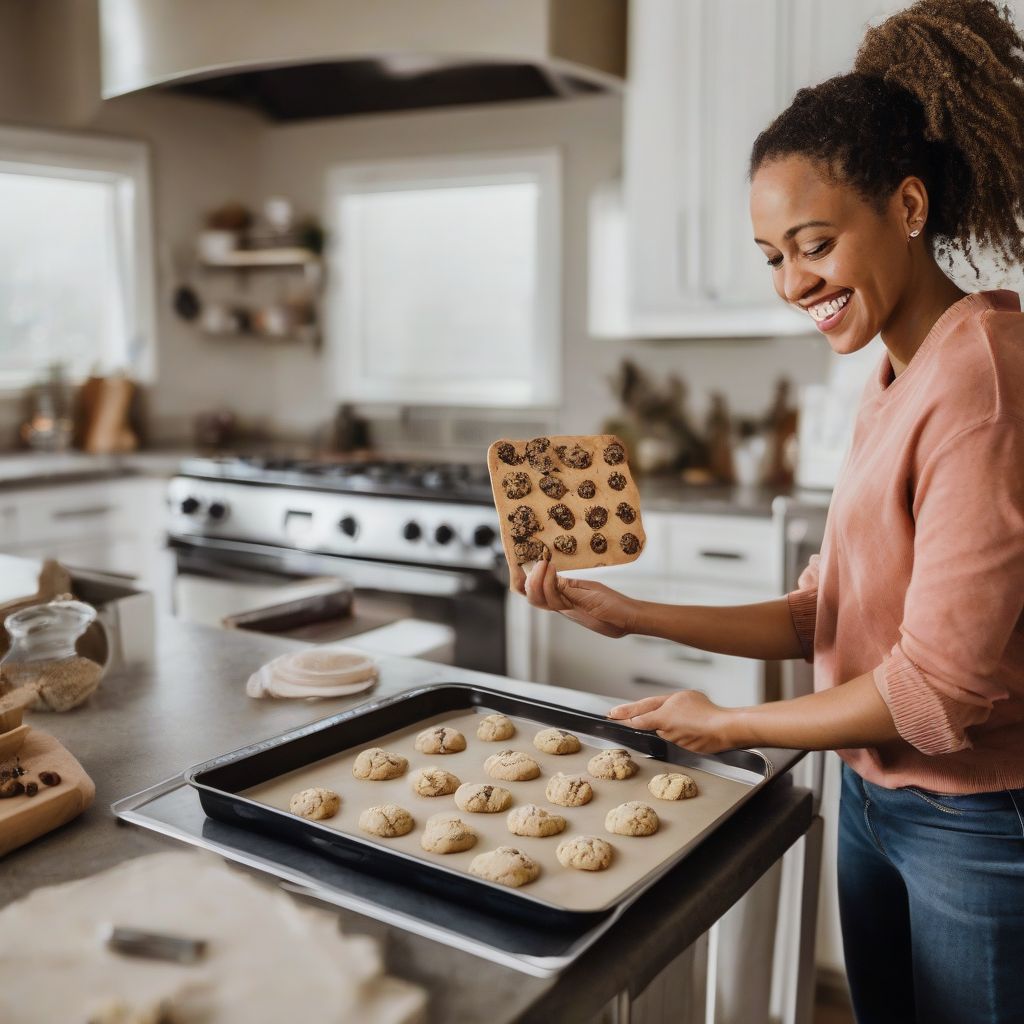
{"x":219,"y":579}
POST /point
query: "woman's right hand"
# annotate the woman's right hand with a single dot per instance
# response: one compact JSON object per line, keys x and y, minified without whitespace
{"x":587,"y":602}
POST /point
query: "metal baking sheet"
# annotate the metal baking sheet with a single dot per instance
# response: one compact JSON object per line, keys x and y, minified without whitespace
{"x":226,"y":786}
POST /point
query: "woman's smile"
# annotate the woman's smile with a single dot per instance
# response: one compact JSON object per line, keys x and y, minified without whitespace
{"x":828,"y":313}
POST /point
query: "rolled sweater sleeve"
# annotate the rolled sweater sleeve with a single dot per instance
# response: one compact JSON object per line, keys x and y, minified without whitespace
{"x":803,"y":607}
{"x":966,"y":588}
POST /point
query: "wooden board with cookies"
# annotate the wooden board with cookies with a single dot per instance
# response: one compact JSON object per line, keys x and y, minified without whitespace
{"x":570,"y":499}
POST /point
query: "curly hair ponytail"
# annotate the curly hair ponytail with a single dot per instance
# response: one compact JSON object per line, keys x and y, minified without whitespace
{"x":936,"y":91}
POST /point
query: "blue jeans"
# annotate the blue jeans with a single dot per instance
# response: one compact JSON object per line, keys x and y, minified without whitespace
{"x":931,"y":898}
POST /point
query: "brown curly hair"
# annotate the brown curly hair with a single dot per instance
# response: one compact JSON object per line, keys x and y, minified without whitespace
{"x":936,"y":91}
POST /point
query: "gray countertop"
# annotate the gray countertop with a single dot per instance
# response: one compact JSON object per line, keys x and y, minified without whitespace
{"x":147,"y":724}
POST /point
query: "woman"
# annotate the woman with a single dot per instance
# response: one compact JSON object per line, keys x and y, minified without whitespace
{"x":913,"y":614}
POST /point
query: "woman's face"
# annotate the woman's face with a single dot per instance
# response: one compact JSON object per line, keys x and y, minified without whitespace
{"x":830,"y":253}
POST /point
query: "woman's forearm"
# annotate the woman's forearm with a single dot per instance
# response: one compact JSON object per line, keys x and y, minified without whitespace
{"x":851,"y":715}
{"x":764,"y":631}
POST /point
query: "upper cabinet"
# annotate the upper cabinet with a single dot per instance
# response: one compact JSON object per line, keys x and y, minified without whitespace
{"x":705,"y":77}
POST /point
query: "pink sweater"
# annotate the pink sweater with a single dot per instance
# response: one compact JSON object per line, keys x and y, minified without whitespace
{"x":920,"y":580}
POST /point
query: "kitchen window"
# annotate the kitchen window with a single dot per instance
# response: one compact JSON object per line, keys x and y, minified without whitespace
{"x":444,"y":280}
{"x":76,"y":276}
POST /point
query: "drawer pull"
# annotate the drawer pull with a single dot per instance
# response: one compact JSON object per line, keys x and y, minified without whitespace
{"x":82,"y":513}
{"x":691,"y":656}
{"x":732,"y":556}
{"x":648,"y":681}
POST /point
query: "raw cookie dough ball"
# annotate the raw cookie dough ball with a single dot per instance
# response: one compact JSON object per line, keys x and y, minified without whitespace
{"x":612,"y":764}
{"x":531,"y":820}
{"x":587,"y":489}
{"x":632,"y":819}
{"x":556,"y":741}
{"x":625,"y":512}
{"x":617,"y":482}
{"x":386,"y":821}
{"x":447,"y":833}
{"x":315,"y":804}
{"x":516,"y":485}
{"x":630,"y":543}
{"x":434,"y":782}
{"x":524,"y":522}
{"x":569,"y":790}
{"x":481,"y":798}
{"x":565,"y":543}
{"x":378,"y":764}
{"x":495,"y":727}
{"x":531,"y":551}
{"x":614,"y":454}
{"x":599,"y":543}
{"x":505,"y":865}
{"x":584,"y":853}
{"x":440,"y":739}
{"x":512,"y":766}
{"x":508,"y":454}
{"x":672,"y":786}
{"x":552,"y":487}
{"x":539,"y":456}
{"x":562,"y":515}
{"x":596,"y":517}
{"x":577,"y":456}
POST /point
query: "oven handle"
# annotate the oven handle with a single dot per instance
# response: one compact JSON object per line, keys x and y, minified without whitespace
{"x":425,"y":581}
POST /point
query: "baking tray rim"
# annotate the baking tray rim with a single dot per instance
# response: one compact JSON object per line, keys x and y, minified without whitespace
{"x":705,"y":762}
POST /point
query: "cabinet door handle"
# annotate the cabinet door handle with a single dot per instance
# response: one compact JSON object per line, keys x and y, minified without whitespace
{"x":86,"y":511}
{"x":691,"y":657}
{"x":675,"y":651}
{"x":650,"y":681}
{"x":732,"y":556}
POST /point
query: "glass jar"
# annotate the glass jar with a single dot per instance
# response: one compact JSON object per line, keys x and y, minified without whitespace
{"x":42,"y":654}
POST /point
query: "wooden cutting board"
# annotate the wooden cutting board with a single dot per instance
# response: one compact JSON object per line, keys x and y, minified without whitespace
{"x":572,"y":499}
{"x":23,"y":818}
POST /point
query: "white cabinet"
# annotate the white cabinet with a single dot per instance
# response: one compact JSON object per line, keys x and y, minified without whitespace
{"x":706,"y":76}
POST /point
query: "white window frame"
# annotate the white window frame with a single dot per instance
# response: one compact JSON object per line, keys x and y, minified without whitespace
{"x":98,"y":158}
{"x":351,"y":378}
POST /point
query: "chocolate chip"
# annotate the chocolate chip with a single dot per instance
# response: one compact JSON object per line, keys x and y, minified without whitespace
{"x":599,"y":543}
{"x":625,"y":512}
{"x":517,"y":485}
{"x":614,"y":454}
{"x":552,"y":487}
{"x":562,"y":515}
{"x":31,"y":788}
{"x":508,"y":454}
{"x":12,"y":787}
{"x":630,"y":543}
{"x":617,"y":482}
{"x":596,"y":517}
{"x":566,"y":544}
{"x":587,"y":489}
{"x":49,"y":778}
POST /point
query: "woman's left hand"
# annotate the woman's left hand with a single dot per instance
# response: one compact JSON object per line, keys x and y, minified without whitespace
{"x":686,"y":718}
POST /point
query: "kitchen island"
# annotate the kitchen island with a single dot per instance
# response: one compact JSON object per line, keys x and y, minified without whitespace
{"x":149,"y":723}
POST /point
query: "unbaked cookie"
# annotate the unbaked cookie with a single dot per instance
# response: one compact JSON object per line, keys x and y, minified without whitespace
{"x":447,"y":833}
{"x":612,"y":764}
{"x":531,"y":820}
{"x":632,"y":819}
{"x":556,"y":741}
{"x":672,"y":786}
{"x":433,"y":781}
{"x":505,"y":865}
{"x":441,"y":739}
{"x":315,"y":803}
{"x":512,"y":766}
{"x":481,"y":798}
{"x":569,"y":790}
{"x":386,"y":821}
{"x":584,"y":853}
{"x":378,"y":764}
{"x":495,"y":727}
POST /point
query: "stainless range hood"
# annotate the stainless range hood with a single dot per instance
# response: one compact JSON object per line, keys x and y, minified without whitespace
{"x":294,"y":59}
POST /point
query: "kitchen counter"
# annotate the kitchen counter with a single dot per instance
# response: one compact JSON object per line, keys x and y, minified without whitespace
{"x":28,"y":469}
{"x":668,"y":494}
{"x":147,"y":724}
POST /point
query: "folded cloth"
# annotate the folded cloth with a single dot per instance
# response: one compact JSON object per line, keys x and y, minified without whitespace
{"x":316,"y":672}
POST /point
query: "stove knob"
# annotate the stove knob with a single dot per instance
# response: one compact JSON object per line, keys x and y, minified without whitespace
{"x":348,"y":526}
{"x":412,"y":531}
{"x":444,"y":534}
{"x":190,"y":506}
{"x":217,"y":510}
{"x":484,"y":536}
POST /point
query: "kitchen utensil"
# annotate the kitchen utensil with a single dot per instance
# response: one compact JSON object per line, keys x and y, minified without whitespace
{"x":155,"y":945}
{"x":318,"y":672}
{"x":226,"y":787}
